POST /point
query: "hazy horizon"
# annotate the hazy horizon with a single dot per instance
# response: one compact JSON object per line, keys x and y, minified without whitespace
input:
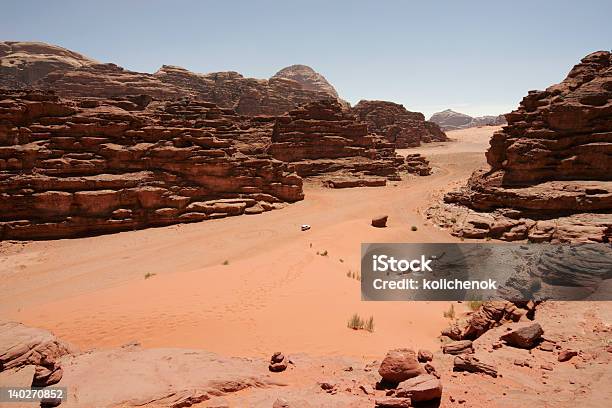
{"x":471,"y":57}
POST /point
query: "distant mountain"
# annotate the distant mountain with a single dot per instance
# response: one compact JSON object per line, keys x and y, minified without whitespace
{"x":68,"y":73}
{"x":451,"y":120}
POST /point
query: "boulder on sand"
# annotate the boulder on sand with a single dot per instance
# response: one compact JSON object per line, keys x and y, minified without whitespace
{"x":380,"y":221}
{"x":400,"y":365}
{"x":524,"y":336}
{"x":278,"y":362}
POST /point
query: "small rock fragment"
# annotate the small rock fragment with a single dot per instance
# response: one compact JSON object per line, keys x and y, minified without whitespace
{"x":393,"y":403}
{"x":473,"y":365}
{"x":424,"y":356}
{"x":458,"y":347}
{"x":566,"y":355}
{"x":280,"y":403}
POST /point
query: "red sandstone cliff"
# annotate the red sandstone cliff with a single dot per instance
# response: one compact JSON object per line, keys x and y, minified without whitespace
{"x":398,"y":125}
{"x":26,"y":65}
{"x":96,"y":165}
{"x":550,"y":175}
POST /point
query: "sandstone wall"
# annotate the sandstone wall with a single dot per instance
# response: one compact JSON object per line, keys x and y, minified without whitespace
{"x":398,"y":125}
{"x":93,"y":165}
{"x":324,"y":138}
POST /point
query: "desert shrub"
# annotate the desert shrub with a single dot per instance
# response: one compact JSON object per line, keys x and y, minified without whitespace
{"x":149,"y":275}
{"x":474,"y":304}
{"x":369,"y":326}
{"x":414,"y":228}
{"x":450,"y":313}
{"x":355,"y":322}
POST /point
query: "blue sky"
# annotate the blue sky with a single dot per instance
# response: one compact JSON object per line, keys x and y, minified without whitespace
{"x":478,"y":57}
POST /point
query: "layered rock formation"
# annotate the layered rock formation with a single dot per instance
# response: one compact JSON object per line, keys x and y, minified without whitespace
{"x":550,"y":175}
{"x":451,"y":120}
{"x":94,"y":165}
{"x":307,"y":77}
{"x":24,"y":63}
{"x":41,"y":66}
{"x":248,"y":96}
{"x":22,"y":346}
{"x":398,"y":125}
{"x":324,"y":139}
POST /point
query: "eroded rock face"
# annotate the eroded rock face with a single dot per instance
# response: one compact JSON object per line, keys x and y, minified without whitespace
{"x":550,"y":177}
{"x":488,"y":315}
{"x":323,"y":138}
{"x":398,"y":125}
{"x":451,"y":120}
{"x":307,"y":77}
{"x":91,"y":165}
{"x":22,"y":346}
{"x":25,"y":65}
{"x":247,"y":96}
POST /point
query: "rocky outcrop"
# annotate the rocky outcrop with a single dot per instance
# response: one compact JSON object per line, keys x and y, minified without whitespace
{"x":92,"y":165}
{"x":25,"y":65}
{"x":451,"y":120}
{"x":549,"y":176}
{"x":22,"y":346}
{"x":398,"y":125}
{"x":324,"y":139}
{"x":417,"y":164}
{"x":247,"y":96}
{"x":489,"y":314}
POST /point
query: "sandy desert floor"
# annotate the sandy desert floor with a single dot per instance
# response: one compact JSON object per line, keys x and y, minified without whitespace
{"x":243,"y":286}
